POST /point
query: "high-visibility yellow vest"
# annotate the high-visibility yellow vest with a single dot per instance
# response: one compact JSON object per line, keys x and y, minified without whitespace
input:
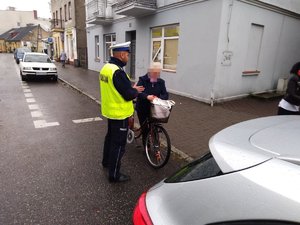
{"x":113,"y":105}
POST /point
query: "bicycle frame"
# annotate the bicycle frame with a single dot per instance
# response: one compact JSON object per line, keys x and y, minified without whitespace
{"x":139,"y":131}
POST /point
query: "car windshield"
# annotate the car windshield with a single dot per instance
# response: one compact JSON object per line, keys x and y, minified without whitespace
{"x":22,"y":50}
{"x":25,"y":49}
{"x":37,"y":58}
{"x":202,"y":168}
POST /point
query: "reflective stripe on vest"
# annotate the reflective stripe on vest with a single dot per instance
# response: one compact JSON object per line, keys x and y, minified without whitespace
{"x":113,"y":105}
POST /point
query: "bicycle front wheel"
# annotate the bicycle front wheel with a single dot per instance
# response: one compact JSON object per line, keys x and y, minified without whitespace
{"x":158,"y":147}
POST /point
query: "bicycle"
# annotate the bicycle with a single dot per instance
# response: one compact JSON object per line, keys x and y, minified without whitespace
{"x":157,"y":144}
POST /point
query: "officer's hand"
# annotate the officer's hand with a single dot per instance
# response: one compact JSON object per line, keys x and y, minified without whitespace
{"x":138,"y":88}
{"x":151,"y":97}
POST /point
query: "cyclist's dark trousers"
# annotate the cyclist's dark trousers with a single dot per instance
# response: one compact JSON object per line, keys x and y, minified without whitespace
{"x":114,"y":146}
{"x":142,"y":118}
{"x":282,"y":111}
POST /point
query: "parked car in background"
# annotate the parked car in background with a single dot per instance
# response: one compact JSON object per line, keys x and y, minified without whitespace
{"x":19,"y":53}
{"x":36,"y":64}
{"x":251,"y":176}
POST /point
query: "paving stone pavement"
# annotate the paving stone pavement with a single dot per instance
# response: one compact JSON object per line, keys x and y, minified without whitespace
{"x":192,"y":123}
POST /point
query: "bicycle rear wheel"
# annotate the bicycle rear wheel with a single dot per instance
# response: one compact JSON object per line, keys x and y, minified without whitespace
{"x":158,"y":147}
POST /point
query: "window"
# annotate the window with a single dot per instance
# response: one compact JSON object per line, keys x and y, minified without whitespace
{"x":254,"y":48}
{"x":109,"y":40}
{"x":165,"y":46}
{"x":56,"y":17}
{"x":97,"y":47}
{"x":203,"y":168}
{"x":18,"y":24}
{"x":65,"y":12}
{"x":60,"y":16}
{"x":69,"y":10}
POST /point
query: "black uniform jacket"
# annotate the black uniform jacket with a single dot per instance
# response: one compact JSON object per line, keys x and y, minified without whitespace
{"x":121,"y":82}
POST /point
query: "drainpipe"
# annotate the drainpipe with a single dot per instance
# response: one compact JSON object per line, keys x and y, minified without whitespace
{"x":230,"y":7}
{"x":229,"y":22}
{"x":212,"y":98}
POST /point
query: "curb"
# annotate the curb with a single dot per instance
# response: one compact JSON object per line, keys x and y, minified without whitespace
{"x":178,"y":152}
{"x":79,"y":90}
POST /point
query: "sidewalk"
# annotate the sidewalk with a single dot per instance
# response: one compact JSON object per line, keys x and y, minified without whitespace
{"x":192,"y":123}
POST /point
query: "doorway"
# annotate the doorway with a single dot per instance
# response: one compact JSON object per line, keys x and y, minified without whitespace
{"x":131,"y":36}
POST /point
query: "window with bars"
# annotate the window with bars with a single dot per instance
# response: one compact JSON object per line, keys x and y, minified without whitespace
{"x":109,"y":40}
{"x":70,"y":10}
{"x":65,"y":12}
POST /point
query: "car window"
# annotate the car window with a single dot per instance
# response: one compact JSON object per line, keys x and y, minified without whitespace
{"x":255,"y":222}
{"x":37,"y":58}
{"x":20,"y":54}
{"x":23,"y":50}
{"x":203,"y":168}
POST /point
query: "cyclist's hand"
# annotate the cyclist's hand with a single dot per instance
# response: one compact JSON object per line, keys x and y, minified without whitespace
{"x":138,"y":88}
{"x":151,"y":97}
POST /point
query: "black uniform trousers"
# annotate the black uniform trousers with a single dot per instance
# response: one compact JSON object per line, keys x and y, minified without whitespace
{"x":114,"y":146}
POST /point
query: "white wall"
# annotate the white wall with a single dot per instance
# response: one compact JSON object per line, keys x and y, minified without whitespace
{"x":281,"y":38}
{"x":161,"y":3}
{"x":197,"y":47}
{"x":197,"y":54}
{"x":201,"y":72}
{"x":91,"y":32}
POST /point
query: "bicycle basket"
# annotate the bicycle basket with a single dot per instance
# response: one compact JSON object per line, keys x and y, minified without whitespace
{"x":160,"y":110}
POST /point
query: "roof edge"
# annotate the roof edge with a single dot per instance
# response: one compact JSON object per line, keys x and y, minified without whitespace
{"x":271,"y":7}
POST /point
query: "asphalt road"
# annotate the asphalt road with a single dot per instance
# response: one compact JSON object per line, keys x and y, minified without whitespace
{"x":50,"y":171}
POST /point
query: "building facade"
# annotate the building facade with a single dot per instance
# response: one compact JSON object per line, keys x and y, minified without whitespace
{"x":210,"y":50}
{"x":31,"y":36}
{"x":19,"y":19}
{"x":68,"y":30}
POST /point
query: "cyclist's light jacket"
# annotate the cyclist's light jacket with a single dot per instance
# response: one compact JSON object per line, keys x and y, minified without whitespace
{"x":113,"y":105}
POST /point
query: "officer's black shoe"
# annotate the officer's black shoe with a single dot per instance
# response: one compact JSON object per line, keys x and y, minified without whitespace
{"x":122,"y":178}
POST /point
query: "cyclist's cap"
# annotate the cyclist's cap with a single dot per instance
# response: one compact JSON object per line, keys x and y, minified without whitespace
{"x":122,"y":47}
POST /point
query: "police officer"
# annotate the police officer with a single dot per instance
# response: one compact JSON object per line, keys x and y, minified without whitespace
{"x":117,"y":94}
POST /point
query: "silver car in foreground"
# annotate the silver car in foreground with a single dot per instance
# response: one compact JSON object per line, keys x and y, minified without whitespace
{"x":250,"y":176}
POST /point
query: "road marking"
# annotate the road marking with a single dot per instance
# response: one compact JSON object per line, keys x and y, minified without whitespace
{"x":33,"y":107}
{"x":30,"y":100}
{"x":36,"y":114}
{"x":28,"y":95}
{"x":87,"y":120}
{"x":44,"y":124}
{"x":27,"y":90}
